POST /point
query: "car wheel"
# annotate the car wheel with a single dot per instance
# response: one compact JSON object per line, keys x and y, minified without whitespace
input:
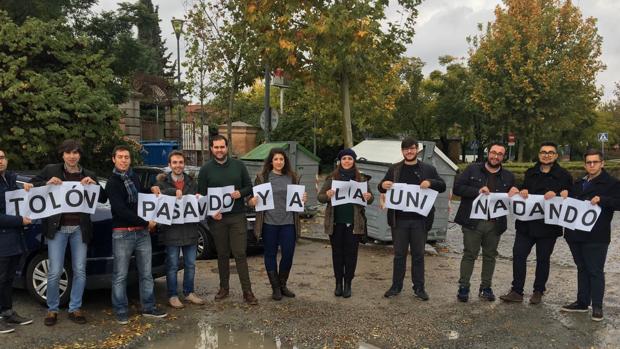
{"x":206,"y":247}
{"x":36,"y":280}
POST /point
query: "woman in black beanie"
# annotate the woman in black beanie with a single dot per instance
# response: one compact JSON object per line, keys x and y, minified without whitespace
{"x":344,"y":224}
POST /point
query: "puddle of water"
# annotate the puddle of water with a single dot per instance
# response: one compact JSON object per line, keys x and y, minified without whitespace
{"x":207,"y":336}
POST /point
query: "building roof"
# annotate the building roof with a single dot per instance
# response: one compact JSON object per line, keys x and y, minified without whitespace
{"x":388,"y":152}
{"x":262,"y":151}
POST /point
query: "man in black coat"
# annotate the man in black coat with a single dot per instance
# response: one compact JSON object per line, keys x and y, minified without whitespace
{"x":11,"y":248}
{"x":589,"y":249}
{"x":409,"y":228}
{"x":546,"y":178}
{"x":72,"y":229}
{"x":481,"y":178}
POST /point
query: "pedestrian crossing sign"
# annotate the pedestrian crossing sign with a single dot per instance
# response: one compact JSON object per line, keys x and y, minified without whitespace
{"x":603,"y":137}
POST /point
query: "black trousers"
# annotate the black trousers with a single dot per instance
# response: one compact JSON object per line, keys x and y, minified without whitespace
{"x":521,"y":250}
{"x":590,"y":260}
{"x":8,"y":266}
{"x":409,"y":234}
{"x":344,"y":251}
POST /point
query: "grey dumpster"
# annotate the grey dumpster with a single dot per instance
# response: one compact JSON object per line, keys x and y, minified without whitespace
{"x":302,"y":161}
{"x":375,"y":156}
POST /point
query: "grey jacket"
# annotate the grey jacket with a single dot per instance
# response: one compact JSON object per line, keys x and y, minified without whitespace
{"x":177,"y":234}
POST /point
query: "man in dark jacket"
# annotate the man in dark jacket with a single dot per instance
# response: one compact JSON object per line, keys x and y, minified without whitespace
{"x":130,"y":234}
{"x":546,"y":178}
{"x":589,"y":249}
{"x":11,"y":248}
{"x":177,"y":237}
{"x":481,"y":178}
{"x":229,"y":229}
{"x":410,"y":229}
{"x":73,"y":229}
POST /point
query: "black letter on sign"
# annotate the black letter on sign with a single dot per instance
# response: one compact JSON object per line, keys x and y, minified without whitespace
{"x":31,"y":204}
{"x":554,"y":211}
{"x":358,"y":194}
{"x":296,"y":200}
{"x":215,"y":203}
{"x":570,"y":210}
{"x":518,"y":208}
{"x":147,"y":206}
{"x":336,"y":195}
{"x":482,"y":205}
{"x":499,"y":204}
{"x":202,"y":208}
{"x":16,"y":201}
{"x":230,"y":200}
{"x":164,"y":210}
{"x":176,"y":213}
{"x":263,"y":196}
{"x":189,"y":210}
{"x":90,"y":200}
{"x":400,"y":197}
{"x":68,"y":198}
{"x":590,"y":222}
{"x":53,"y":201}
{"x":538,"y":208}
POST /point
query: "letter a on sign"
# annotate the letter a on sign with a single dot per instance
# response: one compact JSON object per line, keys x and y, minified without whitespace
{"x":294,"y":195}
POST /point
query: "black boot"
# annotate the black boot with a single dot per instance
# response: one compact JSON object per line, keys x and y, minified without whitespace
{"x":275,"y":285}
{"x":338,"y":290}
{"x":283,"y":279}
{"x":346,"y":292}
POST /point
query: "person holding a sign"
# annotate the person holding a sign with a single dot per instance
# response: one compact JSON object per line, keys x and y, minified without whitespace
{"x":229,"y":228}
{"x":481,"y":178}
{"x":344,"y":224}
{"x":73,"y":229}
{"x":11,"y":249}
{"x":546,"y":178}
{"x":589,"y":249}
{"x":410,"y":229}
{"x":130,"y":235}
{"x":178,"y":237}
{"x":279,"y":227}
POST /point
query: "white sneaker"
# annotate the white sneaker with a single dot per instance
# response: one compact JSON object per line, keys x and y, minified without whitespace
{"x":175,"y":303}
{"x":192,"y":298}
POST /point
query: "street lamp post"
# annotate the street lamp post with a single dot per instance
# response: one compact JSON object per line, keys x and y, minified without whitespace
{"x":177,"y":26}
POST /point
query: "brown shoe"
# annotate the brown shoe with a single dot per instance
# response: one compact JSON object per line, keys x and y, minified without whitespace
{"x":512,"y":296}
{"x":249,"y":298}
{"x":221,"y":294}
{"x":175,"y":303}
{"x":536,"y":297}
{"x":194,"y":299}
{"x":51,"y":318}
{"x":77,"y":317}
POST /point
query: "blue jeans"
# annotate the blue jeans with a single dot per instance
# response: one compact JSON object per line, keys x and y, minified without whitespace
{"x":172,"y":267}
{"x":283,"y":236}
{"x":56,"y":247}
{"x":124,"y":244}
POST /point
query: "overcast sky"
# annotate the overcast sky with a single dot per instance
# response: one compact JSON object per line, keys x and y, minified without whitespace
{"x":443,"y":26}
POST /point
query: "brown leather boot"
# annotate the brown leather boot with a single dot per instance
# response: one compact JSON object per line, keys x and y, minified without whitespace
{"x":536,"y":297}
{"x":249,"y":298}
{"x":221,"y":294}
{"x":276,"y":293}
{"x":512,"y":296}
{"x":283,"y":276}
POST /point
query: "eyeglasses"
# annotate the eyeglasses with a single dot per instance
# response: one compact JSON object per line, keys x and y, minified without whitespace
{"x":499,"y":155}
{"x":547,"y":153}
{"x":592,"y":163}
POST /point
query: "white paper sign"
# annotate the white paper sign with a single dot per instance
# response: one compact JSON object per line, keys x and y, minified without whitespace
{"x":265,"y":197}
{"x":349,"y":192}
{"x":553,"y":208}
{"x":530,"y":209}
{"x":49,"y":200}
{"x":410,"y":198}
{"x":480,"y":207}
{"x":499,"y":204}
{"x":167,"y":209}
{"x":294,"y":197}
{"x":578,"y":214}
{"x":220,"y":199}
{"x":147,"y":204}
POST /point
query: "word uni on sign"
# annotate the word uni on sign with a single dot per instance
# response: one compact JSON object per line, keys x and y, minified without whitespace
{"x":410,"y":198}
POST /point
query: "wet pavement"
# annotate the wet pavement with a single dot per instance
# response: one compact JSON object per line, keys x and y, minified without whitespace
{"x":317,"y":319}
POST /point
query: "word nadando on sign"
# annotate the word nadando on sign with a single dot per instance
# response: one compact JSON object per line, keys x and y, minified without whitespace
{"x":569,"y":213}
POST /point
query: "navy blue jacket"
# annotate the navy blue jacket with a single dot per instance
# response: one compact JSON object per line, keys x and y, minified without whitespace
{"x":124,"y":214}
{"x":608,"y":189}
{"x":11,"y":233}
{"x":467,"y":186}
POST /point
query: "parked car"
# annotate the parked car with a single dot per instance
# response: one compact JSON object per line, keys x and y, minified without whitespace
{"x":206,"y":246}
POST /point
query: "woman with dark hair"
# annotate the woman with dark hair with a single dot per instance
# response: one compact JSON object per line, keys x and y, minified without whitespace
{"x":278,"y":227}
{"x":344,"y":224}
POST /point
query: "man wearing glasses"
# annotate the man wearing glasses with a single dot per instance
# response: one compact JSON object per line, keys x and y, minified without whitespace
{"x":481,"y":178}
{"x":589,"y":249}
{"x":546,"y":178}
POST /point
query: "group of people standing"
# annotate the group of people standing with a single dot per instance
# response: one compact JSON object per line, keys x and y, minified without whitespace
{"x":279,"y":229}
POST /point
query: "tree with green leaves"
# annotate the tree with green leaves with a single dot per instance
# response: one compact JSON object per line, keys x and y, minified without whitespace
{"x":534,"y":70}
{"x":53,"y":88}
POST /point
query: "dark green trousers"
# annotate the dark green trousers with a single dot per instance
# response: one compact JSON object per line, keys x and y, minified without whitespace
{"x":485,"y":236}
{"x":229,"y":235}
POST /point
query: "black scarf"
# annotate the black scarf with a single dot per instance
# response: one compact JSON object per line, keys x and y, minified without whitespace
{"x":346,"y":175}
